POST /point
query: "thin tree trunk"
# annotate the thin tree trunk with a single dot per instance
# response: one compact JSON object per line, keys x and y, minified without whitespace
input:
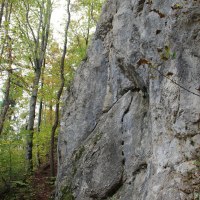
{"x":6,"y":103}
{"x":8,"y":11}
{"x":40,"y":118}
{"x":51,"y":113}
{"x":88,"y":28}
{"x":41,"y":99}
{"x":62,"y":78}
{"x":92,"y":13}
{"x":38,"y":161}
{"x":40,"y":115}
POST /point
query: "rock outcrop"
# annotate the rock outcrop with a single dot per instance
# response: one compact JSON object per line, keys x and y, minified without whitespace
{"x":130,"y":128}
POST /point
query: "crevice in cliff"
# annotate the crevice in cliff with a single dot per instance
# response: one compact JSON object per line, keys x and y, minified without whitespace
{"x":186,"y":135}
{"x":104,"y":28}
{"x":122,"y":125}
{"x":161,"y":15}
{"x":115,"y":188}
{"x":107,"y":111}
{"x":124,"y":92}
{"x":133,"y":76}
{"x":178,"y":108}
{"x":126,"y":111}
{"x":131,"y":88}
{"x":110,"y":192}
{"x":140,"y":6}
{"x":140,"y":168}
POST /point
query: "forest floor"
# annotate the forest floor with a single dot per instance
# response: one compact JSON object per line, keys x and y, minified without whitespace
{"x":40,"y":186}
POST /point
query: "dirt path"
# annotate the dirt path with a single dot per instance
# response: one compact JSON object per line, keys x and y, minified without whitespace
{"x":42,"y":185}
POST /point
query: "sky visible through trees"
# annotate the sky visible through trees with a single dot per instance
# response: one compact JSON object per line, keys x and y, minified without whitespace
{"x":57,"y":23}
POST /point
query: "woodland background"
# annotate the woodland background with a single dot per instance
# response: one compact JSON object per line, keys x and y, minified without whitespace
{"x":35,"y":69}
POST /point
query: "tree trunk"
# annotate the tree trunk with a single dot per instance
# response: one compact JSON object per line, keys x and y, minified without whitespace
{"x":7,"y":100}
{"x":38,"y":162}
{"x":31,"y":119}
{"x":40,"y":41}
{"x":6,"y":103}
{"x":40,"y":118}
{"x":1,"y":11}
{"x":40,"y":115}
{"x":62,"y":78}
{"x":51,"y":113}
{"x":8,"y":10}
{"x":88,"y":28}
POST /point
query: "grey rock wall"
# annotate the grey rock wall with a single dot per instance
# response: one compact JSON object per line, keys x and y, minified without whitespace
{"x":130,"y":127}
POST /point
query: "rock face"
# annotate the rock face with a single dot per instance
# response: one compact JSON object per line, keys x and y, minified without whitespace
{"x":130,"y":128}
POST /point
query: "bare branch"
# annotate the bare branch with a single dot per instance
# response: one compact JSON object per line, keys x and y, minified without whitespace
{"x":28,"y":22}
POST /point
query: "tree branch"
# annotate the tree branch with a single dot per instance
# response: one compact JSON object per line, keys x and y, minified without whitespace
{"x":28,"y":22}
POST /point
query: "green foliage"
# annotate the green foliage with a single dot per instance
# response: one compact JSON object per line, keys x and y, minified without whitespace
{"x":19,"y":184}
{"x":1,"y":103}
{"x":197,"y":164}
{"x":168,"y":54}
{"x":67,"y":193}
{"x":177,"y":6}
{"x":79,"y":153}
{"x":12,"y":157}
{"x":82,"y":28}
{"x":42,"y":143}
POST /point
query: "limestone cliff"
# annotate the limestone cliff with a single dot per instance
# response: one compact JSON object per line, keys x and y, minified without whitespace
{"x":130,"y":126}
